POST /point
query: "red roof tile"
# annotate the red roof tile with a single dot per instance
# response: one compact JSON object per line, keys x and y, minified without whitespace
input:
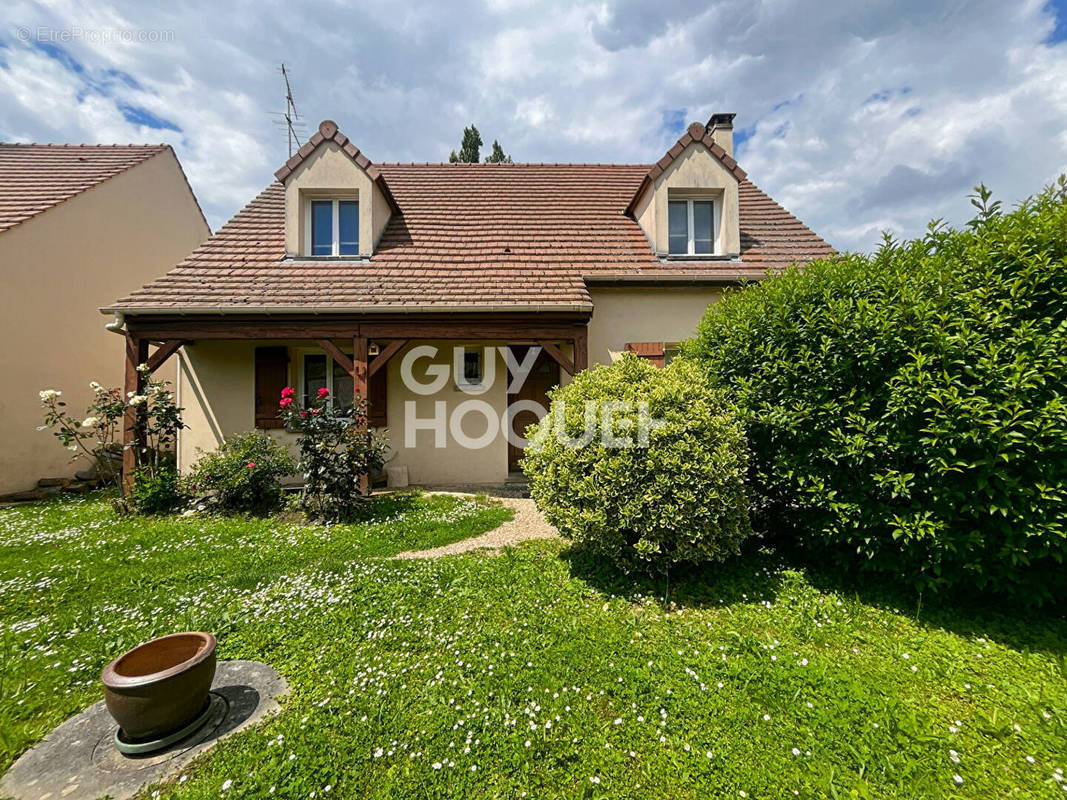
{"x":472,"y":236}
{"x":37,"y":177}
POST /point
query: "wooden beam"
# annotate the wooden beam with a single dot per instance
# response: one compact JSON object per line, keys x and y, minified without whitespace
{"x":163,"y":352}
{"x":508,"y":327}
{"x":359,"y":365}
{"x":383,"y":357}
{"x":560,"y":359}
{"x":132,"y":421}
{"x":334,"y":352}
{"x":581,"y":350}
{"x":359,"y":382}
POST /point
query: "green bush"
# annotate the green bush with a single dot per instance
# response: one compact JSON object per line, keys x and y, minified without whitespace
{"x":906,"y":410}
{"x":243,"y":475}
{"x":156,"y":490}
{"x":681,"y":498}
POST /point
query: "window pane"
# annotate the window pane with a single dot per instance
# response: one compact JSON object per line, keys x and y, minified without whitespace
{"x":678,"y":226}
{"x":702,"y":228}
{"x":342,"y":388}
{"x":314,"y":376}
{"x":348,"y":227}
{"x":472,"y":366}
{"x":321,"y":228}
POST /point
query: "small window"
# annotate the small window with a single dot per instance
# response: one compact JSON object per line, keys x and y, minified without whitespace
{"x":333,"y":227}
{"x":671,"y":350}
{"x":690,"y":227}
{"x":472,"y":366}
{"x":320,"y":371}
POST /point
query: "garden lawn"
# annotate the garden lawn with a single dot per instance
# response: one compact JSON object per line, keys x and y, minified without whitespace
{"x":535,"y":673}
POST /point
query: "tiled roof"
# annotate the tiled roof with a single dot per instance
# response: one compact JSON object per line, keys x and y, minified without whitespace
{"x":469,"y":236}
{"x":37,"y":177}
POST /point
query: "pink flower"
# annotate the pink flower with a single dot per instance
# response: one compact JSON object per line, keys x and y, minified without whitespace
{"x":324,"y":392}
{"x":251,"y":464}
{"x":288,"y":391}
{"x":285,"y":402}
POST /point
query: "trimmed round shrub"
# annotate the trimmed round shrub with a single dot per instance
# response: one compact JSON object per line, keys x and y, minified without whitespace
{"x":244,"y":474}
{"x":676,"y":495}
{"x":907,"y":411}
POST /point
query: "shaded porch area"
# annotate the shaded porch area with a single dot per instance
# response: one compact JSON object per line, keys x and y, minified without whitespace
{"x":436,"y":384}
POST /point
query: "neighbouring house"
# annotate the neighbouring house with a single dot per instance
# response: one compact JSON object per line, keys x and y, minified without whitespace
{"x":79,"y":225}
{"x":417,"y":283}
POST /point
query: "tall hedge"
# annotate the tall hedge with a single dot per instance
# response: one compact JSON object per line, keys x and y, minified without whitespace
{"x":906,"y":410}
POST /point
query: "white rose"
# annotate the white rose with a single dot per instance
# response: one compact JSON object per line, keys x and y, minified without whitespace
{"x":49,"y":394}
{"x":89,"y":422}
{"x":138,"y":400}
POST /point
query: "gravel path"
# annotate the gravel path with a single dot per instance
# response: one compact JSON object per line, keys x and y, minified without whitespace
{"x":528,"y":524}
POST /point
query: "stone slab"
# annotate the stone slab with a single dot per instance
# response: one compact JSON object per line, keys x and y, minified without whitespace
{"x":78,"y":760}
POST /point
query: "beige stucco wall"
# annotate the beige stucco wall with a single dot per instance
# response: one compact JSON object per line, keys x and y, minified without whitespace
{"x":697,"y":173}
{"x":217,"y":385}
{"x":217,"y":390}
{"x":644,"y":314}
{"x":329,"y":172}
{"x":56,"y":270}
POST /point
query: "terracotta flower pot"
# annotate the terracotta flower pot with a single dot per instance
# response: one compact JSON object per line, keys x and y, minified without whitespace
{"x":161,"y":685}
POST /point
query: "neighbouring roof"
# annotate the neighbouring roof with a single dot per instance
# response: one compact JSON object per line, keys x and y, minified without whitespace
{"x":37,"y":177}
{"x":469,"y":236}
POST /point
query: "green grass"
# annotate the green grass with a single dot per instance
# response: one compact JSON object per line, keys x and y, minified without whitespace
{"x":538,"y":671}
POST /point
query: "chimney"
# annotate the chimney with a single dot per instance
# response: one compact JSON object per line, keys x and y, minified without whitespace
{"x":721,"y":128}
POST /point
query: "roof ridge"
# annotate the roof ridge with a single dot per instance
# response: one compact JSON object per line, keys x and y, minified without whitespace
{"x":82,"y":144}
{"x":508,"y":164}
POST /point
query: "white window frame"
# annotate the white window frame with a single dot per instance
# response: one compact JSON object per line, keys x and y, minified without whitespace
{"x":335,"y":250}
{"x":301,"y":355}
{"x":716,"y":226}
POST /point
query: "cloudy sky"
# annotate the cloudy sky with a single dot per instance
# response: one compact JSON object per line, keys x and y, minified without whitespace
{"x":857,"y":116}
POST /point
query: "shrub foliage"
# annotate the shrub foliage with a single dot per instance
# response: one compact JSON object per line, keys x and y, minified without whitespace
{"x":681,"y":498}
{"x":906,"y":410}
{"x":244,"y":474}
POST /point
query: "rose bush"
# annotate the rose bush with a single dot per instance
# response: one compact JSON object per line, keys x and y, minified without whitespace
{"x":336,"y":451}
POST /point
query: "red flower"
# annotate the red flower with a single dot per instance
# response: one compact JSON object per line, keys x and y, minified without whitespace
{"x":324,"y":392}
{"x":316,"y":411}
{"x":303,"y":415}
{"x":285,"y":402}
{"x":251,"y":464}
{"x":288,"y":391}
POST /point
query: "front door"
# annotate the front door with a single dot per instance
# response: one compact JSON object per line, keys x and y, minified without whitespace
{"x":543,"y":376}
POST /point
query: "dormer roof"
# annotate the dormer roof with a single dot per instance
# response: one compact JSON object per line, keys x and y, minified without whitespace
{"x":329,"y":132}
{"x":694,"y":134}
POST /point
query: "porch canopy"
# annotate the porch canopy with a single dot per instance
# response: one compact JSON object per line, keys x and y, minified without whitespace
{"x":151,"y":339}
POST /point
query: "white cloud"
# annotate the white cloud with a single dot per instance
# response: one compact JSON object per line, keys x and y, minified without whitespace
{"x":856,"y":117}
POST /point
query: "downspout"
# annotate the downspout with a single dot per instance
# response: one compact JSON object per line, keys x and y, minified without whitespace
{"x":118,"y":324}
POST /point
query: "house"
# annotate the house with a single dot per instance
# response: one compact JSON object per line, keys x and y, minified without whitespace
{"x":79,"y":225}
{"x":418,"y":284}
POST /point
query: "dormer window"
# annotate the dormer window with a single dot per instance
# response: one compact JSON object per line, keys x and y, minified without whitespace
{"x":693,"y":227}
{"x":333,"y":227}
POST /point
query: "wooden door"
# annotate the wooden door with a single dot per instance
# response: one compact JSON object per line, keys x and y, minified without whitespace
{"x":543,"y":376}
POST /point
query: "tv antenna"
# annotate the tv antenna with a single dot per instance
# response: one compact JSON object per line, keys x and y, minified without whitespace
{"x":294,"y":126}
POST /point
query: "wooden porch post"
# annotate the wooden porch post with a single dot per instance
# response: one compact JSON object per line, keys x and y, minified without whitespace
{"x":359,"y":383}
{"x":132,"y":422}
{"x":581,"y":350}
